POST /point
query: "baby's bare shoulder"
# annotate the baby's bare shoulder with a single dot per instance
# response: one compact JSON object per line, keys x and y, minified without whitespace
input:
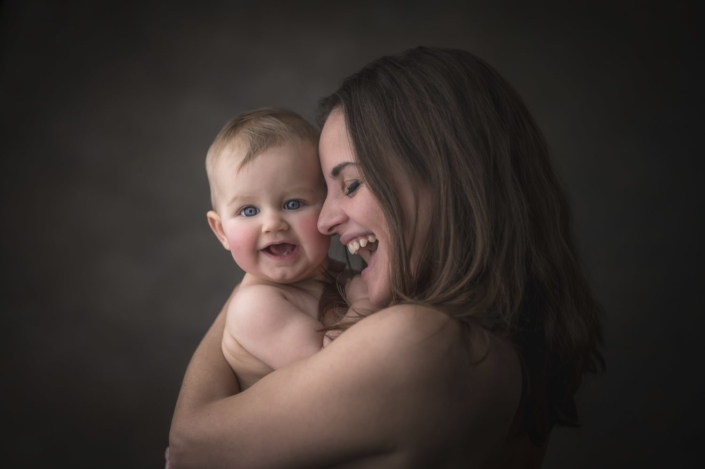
{"x":254,"y":298}
{"x":258,"y":290}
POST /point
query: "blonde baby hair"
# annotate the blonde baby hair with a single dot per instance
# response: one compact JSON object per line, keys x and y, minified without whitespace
{"x":252,"y":132}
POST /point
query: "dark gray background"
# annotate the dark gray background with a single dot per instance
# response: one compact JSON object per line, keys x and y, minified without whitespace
{"x":111,"y":275}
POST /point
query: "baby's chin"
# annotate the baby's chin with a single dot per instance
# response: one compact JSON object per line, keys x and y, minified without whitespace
{"x":290,"y":278}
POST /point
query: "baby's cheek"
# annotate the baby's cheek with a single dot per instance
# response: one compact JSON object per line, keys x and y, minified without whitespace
{"x":309,"y":226}
{"x":243,"y":249}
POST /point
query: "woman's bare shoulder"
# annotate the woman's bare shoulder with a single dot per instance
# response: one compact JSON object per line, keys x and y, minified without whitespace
{"x":461,"y":380}
{"x":406,"y":323}
{"x":412,"y":339}
{"x":409,"y":330}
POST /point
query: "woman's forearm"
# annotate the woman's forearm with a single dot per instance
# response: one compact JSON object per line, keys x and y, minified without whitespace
{"x":208,"y":379}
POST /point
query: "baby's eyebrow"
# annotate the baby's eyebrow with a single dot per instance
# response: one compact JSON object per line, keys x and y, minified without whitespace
{"x":240,"y":199}
{"x":335,"y":172}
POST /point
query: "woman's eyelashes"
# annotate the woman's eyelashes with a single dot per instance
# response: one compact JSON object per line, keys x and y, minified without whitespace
{"x":352,"y":187}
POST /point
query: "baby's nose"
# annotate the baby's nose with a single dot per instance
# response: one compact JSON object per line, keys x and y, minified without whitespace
{"x":274,"y":222}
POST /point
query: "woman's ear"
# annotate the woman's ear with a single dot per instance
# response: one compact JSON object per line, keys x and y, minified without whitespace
{"x":217,"y":227}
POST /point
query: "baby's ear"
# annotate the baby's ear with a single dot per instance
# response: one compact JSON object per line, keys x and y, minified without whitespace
{"x":217,"y":227}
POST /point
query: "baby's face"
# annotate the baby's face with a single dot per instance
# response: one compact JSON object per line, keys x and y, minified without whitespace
{"x":269,"y":211}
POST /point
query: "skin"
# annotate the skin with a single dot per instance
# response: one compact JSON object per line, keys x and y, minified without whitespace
{"x":274,"y":200}
{"x":421,"y":390}
{"x":348,"y":201}
{"x":351,"y":211}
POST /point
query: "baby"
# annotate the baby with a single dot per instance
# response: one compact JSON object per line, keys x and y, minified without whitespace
{"x":267,"y":190}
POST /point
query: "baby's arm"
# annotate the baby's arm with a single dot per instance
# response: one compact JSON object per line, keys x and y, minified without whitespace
{"x":271,"y":328}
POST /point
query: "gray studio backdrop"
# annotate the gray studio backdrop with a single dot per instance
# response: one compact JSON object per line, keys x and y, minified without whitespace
{"x":111,"y":275}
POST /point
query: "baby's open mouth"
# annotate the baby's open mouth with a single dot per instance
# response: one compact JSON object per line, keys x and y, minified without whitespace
{"x":281,"y":249}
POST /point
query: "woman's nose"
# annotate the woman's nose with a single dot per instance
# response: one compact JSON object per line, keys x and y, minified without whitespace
{"x":330,"y":218}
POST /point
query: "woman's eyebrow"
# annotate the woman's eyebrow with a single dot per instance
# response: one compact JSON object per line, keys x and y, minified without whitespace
{"x":335,"y":172}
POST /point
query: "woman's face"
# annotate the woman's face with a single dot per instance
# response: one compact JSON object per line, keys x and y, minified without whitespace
{"x":351,"y":211}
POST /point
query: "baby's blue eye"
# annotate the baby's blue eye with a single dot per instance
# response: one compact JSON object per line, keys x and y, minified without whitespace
{"x":292,"y":204}
{"x":249,"y":211}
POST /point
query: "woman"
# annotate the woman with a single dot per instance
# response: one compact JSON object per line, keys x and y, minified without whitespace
{"x":486,"y":324}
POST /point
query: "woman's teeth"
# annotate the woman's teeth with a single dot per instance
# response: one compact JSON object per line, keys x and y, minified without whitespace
{"x":355,"y":246}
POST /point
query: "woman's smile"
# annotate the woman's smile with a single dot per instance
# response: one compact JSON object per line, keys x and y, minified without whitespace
{"x":351,"y":211}
{"x":365,"y":243}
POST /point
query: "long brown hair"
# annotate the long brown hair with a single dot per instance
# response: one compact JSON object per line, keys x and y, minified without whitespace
{"x":500,"y":252}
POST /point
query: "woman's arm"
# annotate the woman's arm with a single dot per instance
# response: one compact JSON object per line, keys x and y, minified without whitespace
{"x":208,"y":380}
{"x":309,"y":414}
{"x":387,"y":388}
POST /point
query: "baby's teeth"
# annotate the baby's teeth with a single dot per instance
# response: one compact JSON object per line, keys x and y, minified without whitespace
{"x":363,"y":242}
{"x":371,"y":238}
{"x":351,"y":248}
{"x":357,"y":246}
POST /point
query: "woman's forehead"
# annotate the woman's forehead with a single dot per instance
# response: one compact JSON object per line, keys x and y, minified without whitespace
{"x":335,"y":146}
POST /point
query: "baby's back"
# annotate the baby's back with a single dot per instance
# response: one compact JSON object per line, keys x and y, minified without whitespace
{"x":248,"y":368}
{"x":269,"y":326}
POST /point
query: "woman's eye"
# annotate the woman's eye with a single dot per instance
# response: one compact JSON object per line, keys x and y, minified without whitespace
{"x":292,"y":204}
{"x":249,"y":211}
{"x":352,"y":187}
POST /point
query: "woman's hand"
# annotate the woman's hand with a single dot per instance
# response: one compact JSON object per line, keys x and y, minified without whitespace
{"x":356,"y":290}
{"x":359,"y":306}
